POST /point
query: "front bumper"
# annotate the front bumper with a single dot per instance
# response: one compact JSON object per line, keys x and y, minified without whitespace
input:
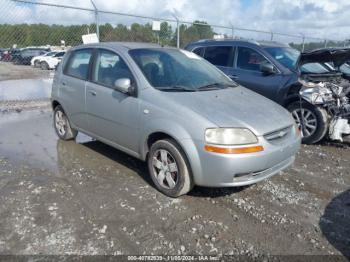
{"x":220,"y":170}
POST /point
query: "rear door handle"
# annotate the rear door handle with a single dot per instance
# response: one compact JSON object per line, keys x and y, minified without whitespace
{"x":64,"y":83}
{"x":233,"y":77}
{"x":93,"y":93}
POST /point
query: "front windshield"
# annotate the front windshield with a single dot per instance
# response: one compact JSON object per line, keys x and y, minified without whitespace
{"x":285,"y":55}
{"x":169,"y":69}
{"x":314,"y":68}
{"x":289,"y":57}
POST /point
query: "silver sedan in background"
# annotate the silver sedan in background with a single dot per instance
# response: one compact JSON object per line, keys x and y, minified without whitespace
{"x":171,"y":108}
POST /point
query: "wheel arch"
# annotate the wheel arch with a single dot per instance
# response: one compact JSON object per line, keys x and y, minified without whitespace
{"x":160,"y":135}
{"x":292,"y":94}
{"x":54,"y":104}
{"x":291,"y":99}
{"x":156,"y":131}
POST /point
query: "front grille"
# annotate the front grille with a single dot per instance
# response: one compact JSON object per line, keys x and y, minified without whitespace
{"x":279,"y":135}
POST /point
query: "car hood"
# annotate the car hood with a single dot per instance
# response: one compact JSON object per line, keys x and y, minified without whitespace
{"x":336,"y":55}
{"x":235,"y":107}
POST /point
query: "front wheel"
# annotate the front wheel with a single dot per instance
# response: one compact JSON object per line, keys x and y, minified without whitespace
{"x":169,"y":168}
{"x":62,"y":125}
{"x":312,"y":121}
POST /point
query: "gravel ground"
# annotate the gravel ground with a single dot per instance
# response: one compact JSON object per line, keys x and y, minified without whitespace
{"x":87,"y":198}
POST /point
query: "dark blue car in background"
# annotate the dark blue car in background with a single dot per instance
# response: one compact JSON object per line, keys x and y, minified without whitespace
{"x":314,"y":95}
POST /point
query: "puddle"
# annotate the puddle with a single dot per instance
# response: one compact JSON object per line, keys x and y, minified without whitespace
{"x":25,"y":89}
{"x":29,"y":138}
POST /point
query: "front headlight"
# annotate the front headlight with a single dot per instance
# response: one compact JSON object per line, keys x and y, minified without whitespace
{"x":230,"y":136}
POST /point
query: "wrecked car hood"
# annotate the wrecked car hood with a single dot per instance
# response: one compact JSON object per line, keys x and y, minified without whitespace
{"x":337,"y":56}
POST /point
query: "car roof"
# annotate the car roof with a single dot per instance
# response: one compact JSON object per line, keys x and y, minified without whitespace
{"x":239,"y":41}
{"x":126,"y":45}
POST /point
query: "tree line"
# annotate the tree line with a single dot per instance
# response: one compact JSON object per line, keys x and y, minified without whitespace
{"x":316,"y":45}
{"x":42,"y":34}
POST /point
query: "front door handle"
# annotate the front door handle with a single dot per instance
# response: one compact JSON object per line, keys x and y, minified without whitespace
{"x":93,"y":93}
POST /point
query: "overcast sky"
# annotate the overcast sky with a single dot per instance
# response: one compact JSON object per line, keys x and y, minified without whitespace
{"x":318,"y":18}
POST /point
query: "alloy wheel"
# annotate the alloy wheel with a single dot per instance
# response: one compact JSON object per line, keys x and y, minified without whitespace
{"x":61,"y":123}
{"x":165,"y":169}
{"x":306,"y":121}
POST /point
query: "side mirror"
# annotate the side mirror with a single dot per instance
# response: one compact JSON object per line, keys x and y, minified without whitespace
{"x":123,"y":85}
{"x":267,"y":68}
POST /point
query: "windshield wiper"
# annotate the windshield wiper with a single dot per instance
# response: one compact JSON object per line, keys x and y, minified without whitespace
{"x":177,"y":89}
{"x":215,"y":86}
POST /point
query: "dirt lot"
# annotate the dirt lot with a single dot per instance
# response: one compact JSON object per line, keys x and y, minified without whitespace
{"x":9,"y":71}
{"x":87,"y":198}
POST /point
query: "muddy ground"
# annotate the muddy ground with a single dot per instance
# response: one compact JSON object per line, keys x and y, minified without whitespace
{"x":87,"y":198}
{"x":23,"y":87}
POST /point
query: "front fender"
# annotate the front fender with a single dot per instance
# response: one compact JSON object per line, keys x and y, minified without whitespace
{"x":178,"y":133}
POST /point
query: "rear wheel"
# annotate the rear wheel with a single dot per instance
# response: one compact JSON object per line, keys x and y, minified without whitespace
{"x":312,"y":121}
{"x":44,"y":66}
{"x":169,"y":168}
{"x":62,"y":126}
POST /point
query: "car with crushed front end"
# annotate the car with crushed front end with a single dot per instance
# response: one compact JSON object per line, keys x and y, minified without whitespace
{"x":298,"y":81}
{"x":189,"y":121}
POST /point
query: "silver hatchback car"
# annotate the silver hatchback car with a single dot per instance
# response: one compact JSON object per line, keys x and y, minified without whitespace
{"x":171,"y":108}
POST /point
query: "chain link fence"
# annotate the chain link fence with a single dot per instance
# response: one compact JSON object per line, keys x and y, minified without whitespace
{"x":25,"y":23}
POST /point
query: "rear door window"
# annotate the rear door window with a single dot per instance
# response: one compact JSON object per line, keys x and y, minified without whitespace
{"x":219,"y":55}
{"x":249,"y":59}
{"x":78,"y":64}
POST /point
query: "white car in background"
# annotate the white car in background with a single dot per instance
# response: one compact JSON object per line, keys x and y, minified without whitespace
{"x":36,"y":60}
{"x":50,"y":62}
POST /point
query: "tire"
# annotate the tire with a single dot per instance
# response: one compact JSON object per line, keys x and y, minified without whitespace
{"x":319,"y":117}
{"x":182,"y":181}
{"x":62,"y":126}
{"x":44,"y":66}
{"x":37,"y":64}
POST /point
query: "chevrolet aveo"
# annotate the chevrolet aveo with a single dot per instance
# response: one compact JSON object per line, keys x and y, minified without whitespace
{"x":171,"y":108}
